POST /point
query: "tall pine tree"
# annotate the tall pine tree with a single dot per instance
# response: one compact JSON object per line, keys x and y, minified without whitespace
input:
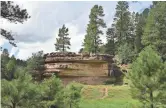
{"x":155,"y":30}
{"x":110,"y":45}
{"x":124,"y":32}
{"x":122,"y":19}
{"x":63,"y":42}
{"x":141,"y":22}
{"x":92,"y":39}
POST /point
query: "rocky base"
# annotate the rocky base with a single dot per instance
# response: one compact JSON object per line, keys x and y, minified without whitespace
{"x":85,"y":80}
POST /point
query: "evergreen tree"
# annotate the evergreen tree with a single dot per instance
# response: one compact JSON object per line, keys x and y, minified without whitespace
{"x":92,"y":39}
{"x":14,"y":14}
{"x":132,"y":29}
{"x":8,"y":67}
{"x":11,"y":67}
{"x":81,"y":50}
{"x":122,"y":19}
{"x":147,"y":76}
{"x":63,"y":42}
{"x":20,"y":92}
{"x":110,"y":45}
{"x":125,"y":24}
{"x":35,"y":65}
{"x":155,"y":30}
{"x":125,"y":53}
{"x":141,"y":22}
{"x":52,"y":89}
{"x":4,"y":60}
{"x":72,"y":95}
{"x":5,"y":52}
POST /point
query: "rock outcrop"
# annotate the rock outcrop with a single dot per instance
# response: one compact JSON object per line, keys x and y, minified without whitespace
{"x":78,"y":67}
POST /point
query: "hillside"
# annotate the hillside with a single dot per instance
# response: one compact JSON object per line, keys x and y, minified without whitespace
{"x":107,"y":96}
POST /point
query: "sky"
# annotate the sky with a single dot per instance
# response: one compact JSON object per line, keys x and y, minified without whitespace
{"x":41,"y":30}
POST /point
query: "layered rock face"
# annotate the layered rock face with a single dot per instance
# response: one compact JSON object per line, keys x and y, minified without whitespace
{"x":83,"y":68}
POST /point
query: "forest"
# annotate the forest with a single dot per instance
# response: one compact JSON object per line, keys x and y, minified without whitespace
{"x":137,"y":39}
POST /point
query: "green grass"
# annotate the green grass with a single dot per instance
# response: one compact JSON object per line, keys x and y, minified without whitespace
{"x":118,"y":97}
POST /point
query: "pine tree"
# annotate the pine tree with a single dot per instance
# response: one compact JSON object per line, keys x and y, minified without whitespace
{"x":147,"y":76}
{"x":155,"y":30}
{"x":52,"y":93}
{"x":125,"y":24}
{"x":141,"y":22}
{"x":110,"y":45}
{"x":92,"y":39}
{"x":122,"y":19}
{"x":20,"y":92}
{"x":72,"y":95}
{"x":14,"y":14}
{"x":125,"y":53}
{"x":132,"y":28}
{"x":63,"y":42}
{"x":35,"y":65}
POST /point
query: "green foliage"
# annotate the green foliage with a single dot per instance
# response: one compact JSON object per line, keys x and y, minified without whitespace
{"x":63,"y":42}
{"x":102,"y":49}
{"x":126,"y":53}
{"x":10,"y":68}
{"x":122,"y":19}
{"x":52,"y":92}
{"x":35,"y":65}
{"x":14,"y":14}
{"x":110,"y":45}
{"x":4,"y":60}
{"x":118,"y":97}
{"x":72,"y":95}
{"x":141,"y":22}
{"x":155,"y":30}
{"x":92,"y":39}
{"x":9,"y":65}
{"x":20,"y":92}
{"x":147,"y":78}
{"x":121,"y":36}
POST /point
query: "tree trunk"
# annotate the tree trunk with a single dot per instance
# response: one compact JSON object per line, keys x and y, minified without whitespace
{"x":151,"y":99}
{"x":70,"y":105}
{"x":63,"y":49}
{"x":113,"y":47}
{"x":14,"y":105}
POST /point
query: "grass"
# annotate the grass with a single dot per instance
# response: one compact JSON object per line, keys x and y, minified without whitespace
{"x":117,"y":97}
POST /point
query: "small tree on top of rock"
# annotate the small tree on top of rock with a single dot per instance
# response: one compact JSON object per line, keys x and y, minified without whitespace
{"x":63,"y":42}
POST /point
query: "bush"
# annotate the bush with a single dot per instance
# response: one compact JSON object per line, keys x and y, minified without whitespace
{"x":126,"y":53}
{"x":72,"y":95}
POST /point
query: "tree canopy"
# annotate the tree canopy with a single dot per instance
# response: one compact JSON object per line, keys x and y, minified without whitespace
{"x":13,"y":14}
{"x":92,"y":39}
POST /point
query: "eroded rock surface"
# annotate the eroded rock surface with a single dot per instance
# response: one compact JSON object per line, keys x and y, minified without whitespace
{"x":74,"y":66}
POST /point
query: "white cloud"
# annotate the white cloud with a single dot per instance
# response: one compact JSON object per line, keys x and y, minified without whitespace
{"x":26,"y":50}
{"x":13,"y":51}
{"x":2,"y":40}
{"x":40,"y":31}
{"x":76,"y":37}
